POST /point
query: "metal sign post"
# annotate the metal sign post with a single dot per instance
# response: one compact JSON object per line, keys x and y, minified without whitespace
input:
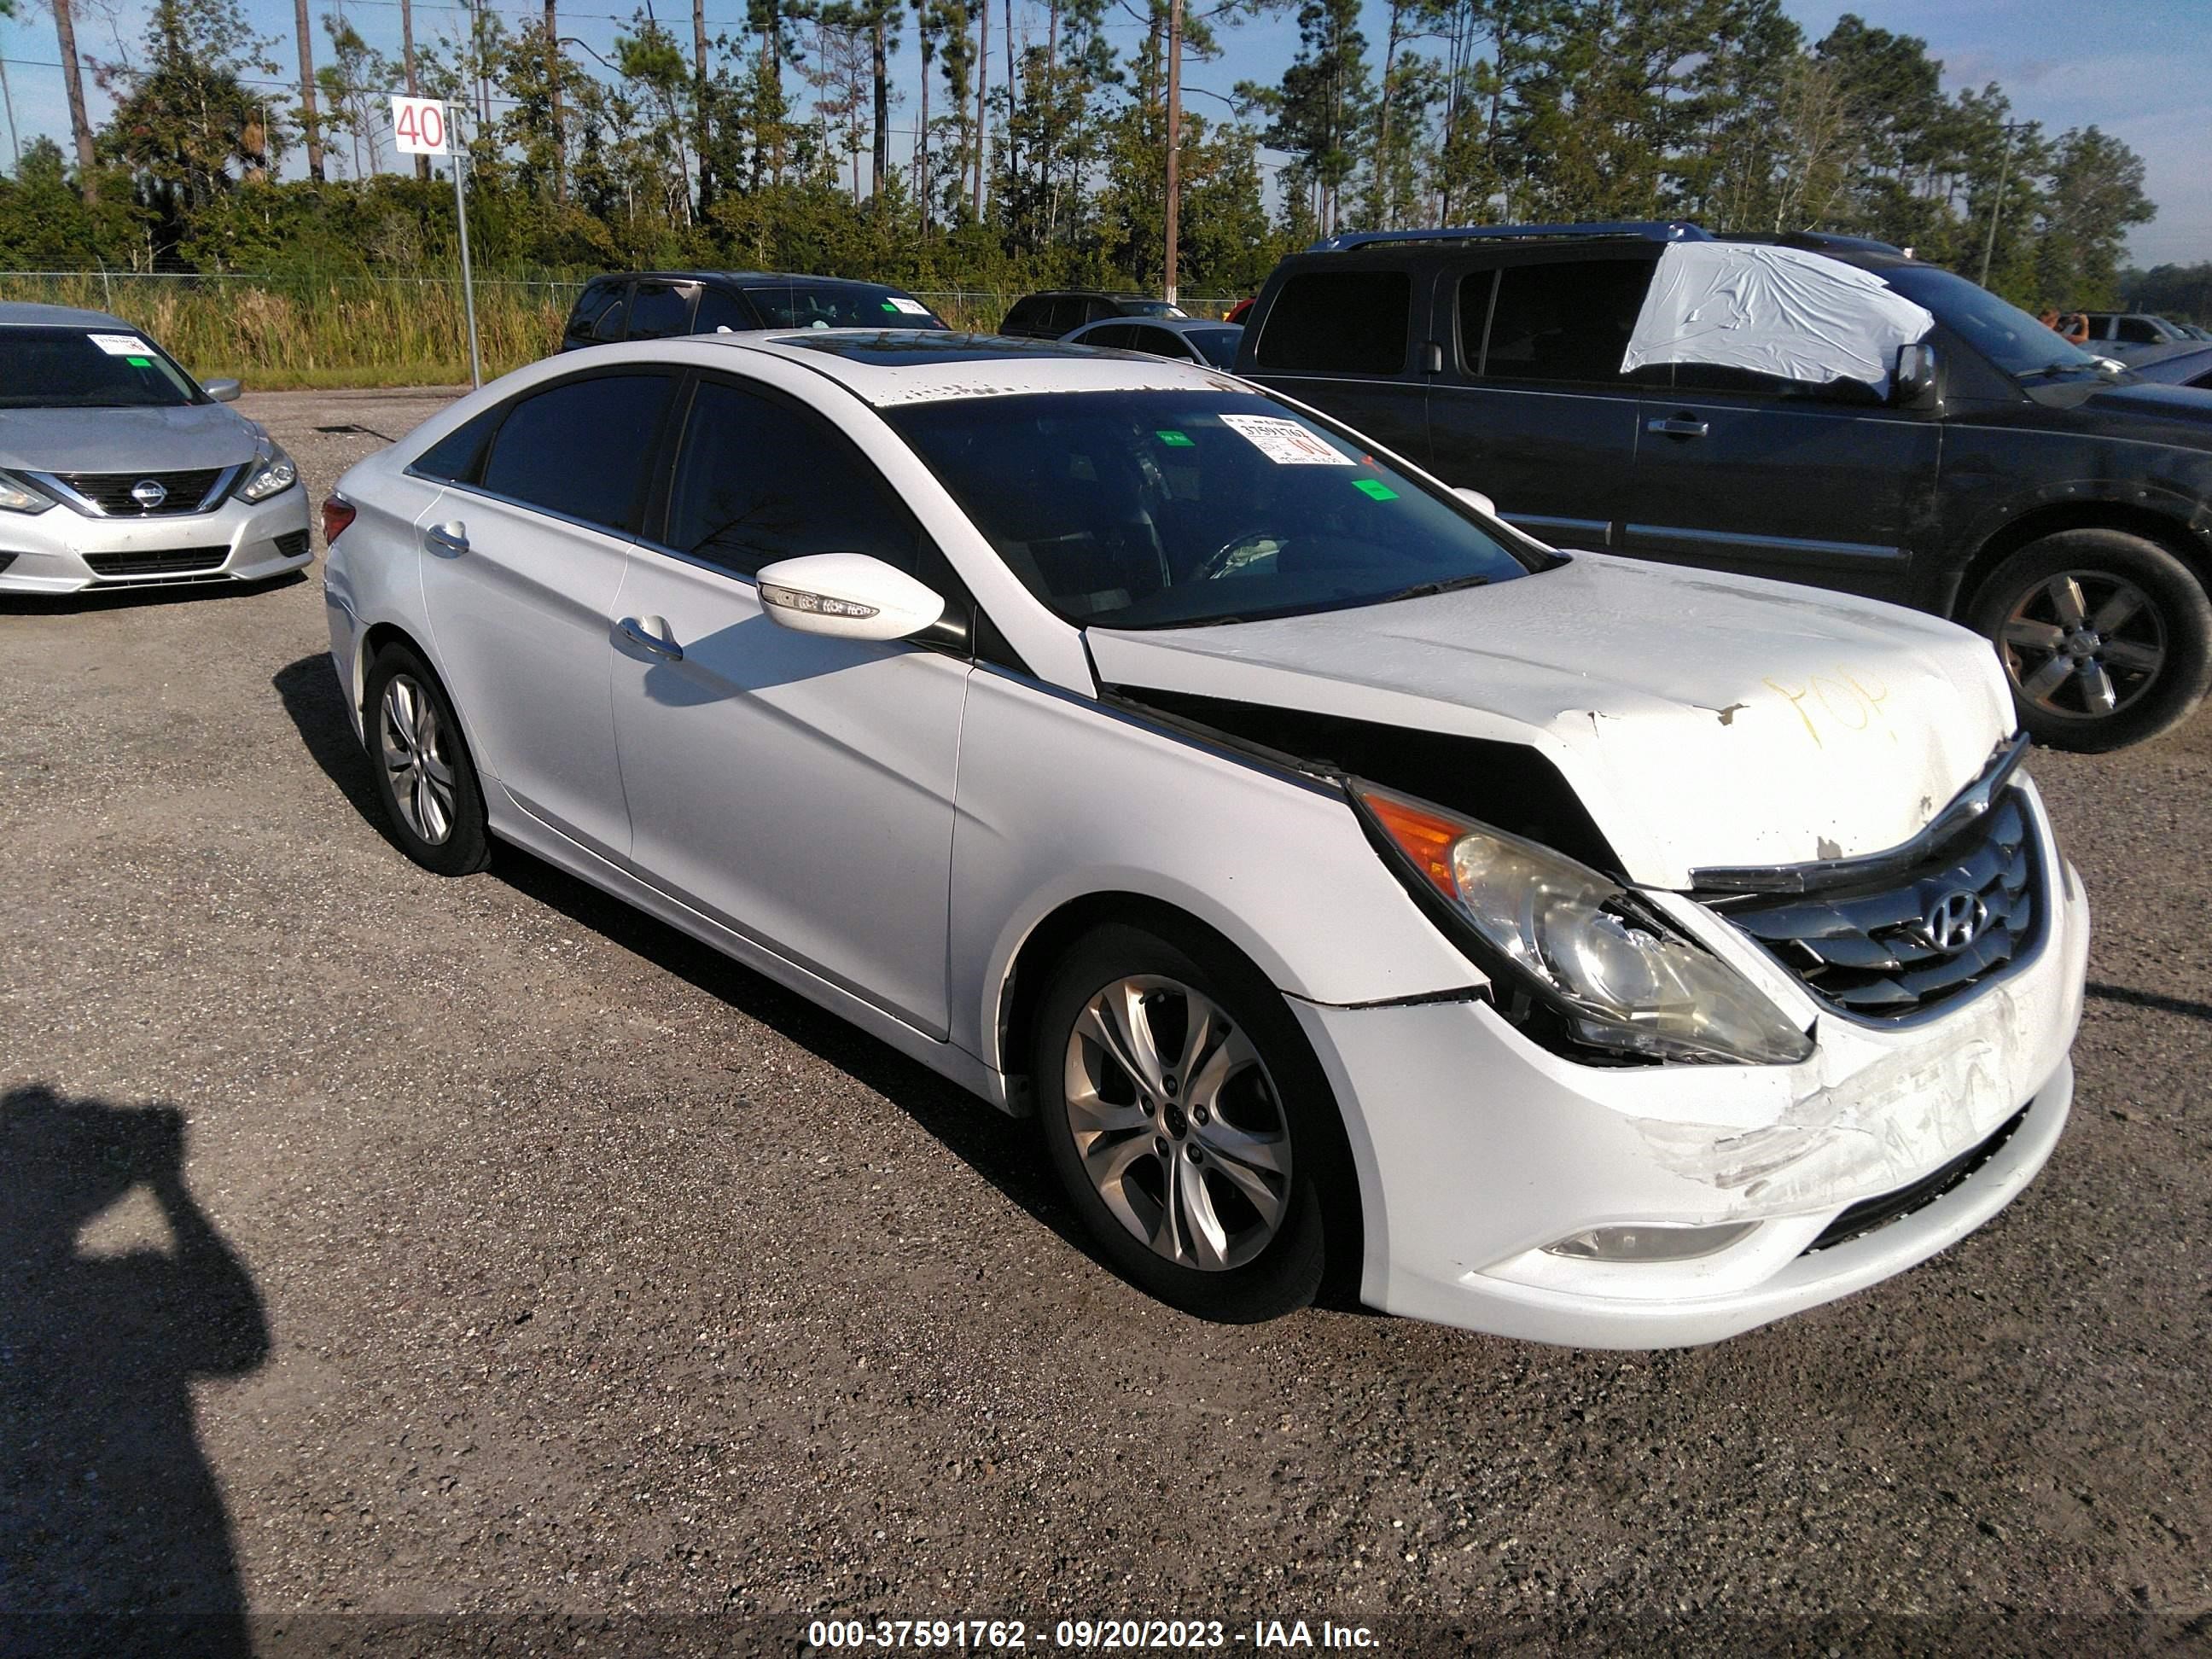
{"x":424,"y":126}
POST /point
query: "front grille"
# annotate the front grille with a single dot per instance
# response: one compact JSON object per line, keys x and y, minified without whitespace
{"x":1870,"y":1214}
{"x":111,"y":491}
{"x":291,"y":544}
{"x":1868,"y":949}
{"x":168,"y":562}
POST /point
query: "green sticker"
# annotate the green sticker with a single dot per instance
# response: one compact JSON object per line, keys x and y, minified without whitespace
{"x":888,"y":305}
{"x":139,"y":362}
{"x":1175,"y":440}
{"x":1375,"y":490}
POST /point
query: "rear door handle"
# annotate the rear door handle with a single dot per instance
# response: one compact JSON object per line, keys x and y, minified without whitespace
{"x":1676,"y":426}
{"x":446,"y":540}
{"x":654,"y":634}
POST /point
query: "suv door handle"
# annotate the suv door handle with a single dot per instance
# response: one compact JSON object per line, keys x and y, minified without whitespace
{"x":1676,"y":426}
{"x":654,"y":634}
{"x":449,"y":541}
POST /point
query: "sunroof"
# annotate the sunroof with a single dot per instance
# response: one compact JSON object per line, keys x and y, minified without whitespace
{"x":899,"y":348}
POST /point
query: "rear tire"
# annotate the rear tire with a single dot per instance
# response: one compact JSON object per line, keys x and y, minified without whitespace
{"x":1204,"y":1152}
{"x":424,"y":775}
{"x":2106,"y":637}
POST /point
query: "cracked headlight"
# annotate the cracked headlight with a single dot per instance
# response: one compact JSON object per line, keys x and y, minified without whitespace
{"x":1611,"y":965}
{"x":17,"y":496}
{"x":271,"y":472}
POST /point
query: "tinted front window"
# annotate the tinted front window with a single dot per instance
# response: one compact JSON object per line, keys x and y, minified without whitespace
{"x":2006,"y":335}
{"x":89,"y":369}
{"x":1169,"y":508}
{"x":2139,"y":330}
{"x":718,"y":311}
{"x":658,"y":310}
{"x":1157,"y":342}
{"x":1564,"y":322}
{"x":757,"y":480}
{"x":804,"y":305}
{"x":582,"y":448}
{"x":1216,"y":345}
{"x":1338,"y":322}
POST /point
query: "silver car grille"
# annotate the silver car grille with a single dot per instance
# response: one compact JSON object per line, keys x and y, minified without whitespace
{"x":180,"y":492}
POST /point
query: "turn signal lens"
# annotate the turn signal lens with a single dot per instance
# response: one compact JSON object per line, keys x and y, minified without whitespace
{"x":337,"y":513}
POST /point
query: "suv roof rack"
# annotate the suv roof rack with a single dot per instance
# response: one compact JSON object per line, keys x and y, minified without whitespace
{"x":1648,"y":230}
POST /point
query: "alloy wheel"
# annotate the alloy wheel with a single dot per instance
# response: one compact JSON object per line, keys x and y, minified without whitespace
{"x":411,"y":741}
{"x":1177,"y":1124}
{"x":2083,"y":643}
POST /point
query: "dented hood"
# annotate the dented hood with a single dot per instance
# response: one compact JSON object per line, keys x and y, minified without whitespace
{"x":1705,"y":721}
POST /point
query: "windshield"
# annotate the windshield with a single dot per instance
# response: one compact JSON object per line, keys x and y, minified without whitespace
{"x":1163,"y":509}
{"x":2007,"y":336}
{"x":801,"y":305}
{"x":96,"y":368}
{"x":1216,"y":345}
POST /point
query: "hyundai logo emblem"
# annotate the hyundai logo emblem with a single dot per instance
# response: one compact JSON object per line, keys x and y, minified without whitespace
{"x":149,"y":493}
{"x":1955,"y":921}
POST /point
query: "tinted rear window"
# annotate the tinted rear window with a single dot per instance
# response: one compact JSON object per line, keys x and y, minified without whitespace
{"x":718,"y":310}
{"x":581,"y":449}
{"x":1564,"y":322}
{"x":1338,"y":322}
{"x":591,"y":306}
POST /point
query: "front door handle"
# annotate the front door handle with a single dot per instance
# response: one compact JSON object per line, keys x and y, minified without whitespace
{"x":449,"y":541}
{"x":654,"y":634}
{"x":1676,"y":426}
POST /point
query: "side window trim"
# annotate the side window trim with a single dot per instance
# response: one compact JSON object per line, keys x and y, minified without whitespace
{"x":491,"y":439}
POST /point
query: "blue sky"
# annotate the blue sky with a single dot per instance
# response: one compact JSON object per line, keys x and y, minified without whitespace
{"x":2140,"y":69}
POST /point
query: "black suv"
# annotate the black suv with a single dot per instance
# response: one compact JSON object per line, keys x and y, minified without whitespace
{"x":2006,"y":478}
{"x":652,"y":305}
{"x":1048,"y":316}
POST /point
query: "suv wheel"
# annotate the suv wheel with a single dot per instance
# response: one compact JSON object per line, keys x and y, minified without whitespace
{"x":1191,"y":1125}
{"x":2106,"y":637}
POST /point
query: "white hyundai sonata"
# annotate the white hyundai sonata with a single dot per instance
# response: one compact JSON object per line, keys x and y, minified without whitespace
{"x":1544,"y":943}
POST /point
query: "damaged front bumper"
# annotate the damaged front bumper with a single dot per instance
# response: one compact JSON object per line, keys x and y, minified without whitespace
{"x":1477,"y":1150}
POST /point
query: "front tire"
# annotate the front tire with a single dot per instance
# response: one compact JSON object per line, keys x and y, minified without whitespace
{"x":424,"y":775}
{"x":1191,"y":1125}
{"x":2106,"y":637}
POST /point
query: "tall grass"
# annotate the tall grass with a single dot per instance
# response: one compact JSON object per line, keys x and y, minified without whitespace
{"x":280,"y":332}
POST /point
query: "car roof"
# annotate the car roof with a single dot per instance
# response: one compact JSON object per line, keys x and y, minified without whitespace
{"x":742,"y":276}
{"x":1173,"y":324}
{"x":893,"y":366}
{"x":20,"y":313}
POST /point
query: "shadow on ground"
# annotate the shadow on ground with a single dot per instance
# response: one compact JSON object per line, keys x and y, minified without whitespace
{"x":113,"y":1536}
{"x":1002,"y":1150}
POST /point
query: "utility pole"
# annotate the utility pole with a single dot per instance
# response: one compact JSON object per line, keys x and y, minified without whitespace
{"x":553,"y":99}
{"x":14,"y":147}
{"x":700,"y":101}
{"x":73,"y":79}
{"x":982,"y":85}
{"x":1175,"y":142}
{"x":1996,"y":207}
{"x":307,"y":92}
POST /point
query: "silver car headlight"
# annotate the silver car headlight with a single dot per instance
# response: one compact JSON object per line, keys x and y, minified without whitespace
{"x":17,"y":496}
{"x":1620,"y":975}
{"x":271,"y":472}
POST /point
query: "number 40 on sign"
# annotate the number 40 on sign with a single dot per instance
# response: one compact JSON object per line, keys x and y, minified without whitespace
{"x":419,"y":125}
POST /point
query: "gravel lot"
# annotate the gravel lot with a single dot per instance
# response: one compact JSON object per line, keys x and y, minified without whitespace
{"x":571,"y":1270}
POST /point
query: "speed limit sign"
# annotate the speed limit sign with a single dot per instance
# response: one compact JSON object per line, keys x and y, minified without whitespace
{"x":418,"y":125}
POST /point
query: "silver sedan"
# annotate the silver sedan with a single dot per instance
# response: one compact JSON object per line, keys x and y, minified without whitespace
{"x":118,"y":470}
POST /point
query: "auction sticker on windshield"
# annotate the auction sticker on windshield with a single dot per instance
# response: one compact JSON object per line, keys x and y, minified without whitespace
{"x":1283,"y":443}
{"x":121,"y":345}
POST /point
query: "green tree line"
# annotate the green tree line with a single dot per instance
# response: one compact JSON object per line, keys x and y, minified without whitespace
{"x":1036,"y":152}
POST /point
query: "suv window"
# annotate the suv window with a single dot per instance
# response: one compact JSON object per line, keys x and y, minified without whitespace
{"x":719,"y":309}
{"x":658,"y":310}
{"x":1338,"y":322}
{"x":1030,"y":311}
{"x":591,"y":306}
{"x":1567,"y":321}
{"x":758,"y":480}
{"x":582,"y":448}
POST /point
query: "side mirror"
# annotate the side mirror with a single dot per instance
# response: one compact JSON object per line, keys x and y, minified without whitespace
{"x":848,"y":596}
{"x":1475,"y":499}
{"x":1913,"y":383}
{"x":223,"y":392}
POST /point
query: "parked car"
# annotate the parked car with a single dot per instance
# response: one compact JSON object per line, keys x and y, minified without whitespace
{"x":1186,"y":339}
{"x":1050,"y":316}
{"x":655,"y":305}
{"x":1554,"y":944}
{"x":1991,"y":472}
{"x":2128,"y":335}
{"x":118,"y":469}
{"x":2184,"y":364}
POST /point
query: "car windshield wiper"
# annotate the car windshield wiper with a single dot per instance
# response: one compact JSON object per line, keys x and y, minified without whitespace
{"x":1422,"y":590}
{"x":2058,"y":367}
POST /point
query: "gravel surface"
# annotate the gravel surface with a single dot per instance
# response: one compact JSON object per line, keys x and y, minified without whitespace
{"x":526,"y":1257}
